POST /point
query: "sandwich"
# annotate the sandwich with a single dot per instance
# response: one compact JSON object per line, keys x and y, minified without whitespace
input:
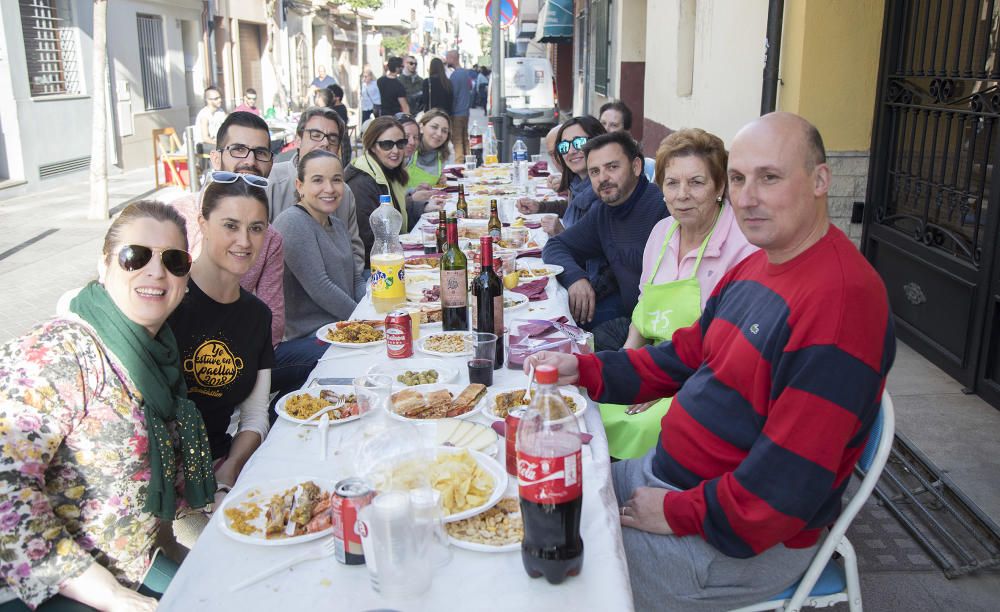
{"x":467,"y":399}
{"x":408,"y":403}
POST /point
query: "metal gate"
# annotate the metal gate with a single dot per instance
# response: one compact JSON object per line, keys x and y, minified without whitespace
{"x":931,"y":226}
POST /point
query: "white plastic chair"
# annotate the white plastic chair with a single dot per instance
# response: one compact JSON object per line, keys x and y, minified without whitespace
{"x":826,"y":582}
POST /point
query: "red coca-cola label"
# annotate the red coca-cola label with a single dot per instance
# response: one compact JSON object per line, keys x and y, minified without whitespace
{"x":550,"y":480}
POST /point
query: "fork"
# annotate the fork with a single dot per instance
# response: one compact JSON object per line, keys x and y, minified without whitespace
{"x":325,"y":549}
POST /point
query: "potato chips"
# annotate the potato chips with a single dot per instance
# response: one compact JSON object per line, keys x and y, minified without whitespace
{"x":463,"y":484}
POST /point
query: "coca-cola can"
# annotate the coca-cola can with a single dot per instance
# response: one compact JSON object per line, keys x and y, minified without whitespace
{"x":349,"y":497}
{"x":510,"y":437}
{"x":399,"y":334}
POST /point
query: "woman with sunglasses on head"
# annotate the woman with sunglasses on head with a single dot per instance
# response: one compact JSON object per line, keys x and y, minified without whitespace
{"x":380,"y":171}
{"x":95,"y":419}
{"x":321,"y":282}
{"x":570,"y":139}
{"x":222,"y":330}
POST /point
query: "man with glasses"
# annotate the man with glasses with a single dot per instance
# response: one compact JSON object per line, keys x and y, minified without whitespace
{"x":413,"y":83}
{"x":244,"y":148}
{"x":616,"y":231}
{"x":391,"y":90}
{"x":319,"y":128}
{"x":249,"y":102}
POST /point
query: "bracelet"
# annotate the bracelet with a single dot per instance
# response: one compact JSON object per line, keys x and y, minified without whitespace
{"x":223,"y":488}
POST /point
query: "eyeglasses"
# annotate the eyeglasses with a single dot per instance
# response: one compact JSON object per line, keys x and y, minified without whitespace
{"x":132,"y":257}
{"x":387,"y":145}
{"x":411,"y":63}
{"x":578,"y":142}
{"x":222,"y":176}
{"x":240,"y":151}
{"x":318,"y":135}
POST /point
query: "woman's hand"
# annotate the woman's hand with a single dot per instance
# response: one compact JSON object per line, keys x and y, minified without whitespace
{"x":639,"y":408}
{"x":553,"y":180}
{"x":433,"y":204}
{"x":421,"y":195}
{"x":527,"y":206}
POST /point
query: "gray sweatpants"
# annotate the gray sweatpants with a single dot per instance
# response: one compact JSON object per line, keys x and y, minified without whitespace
{"x":687,"y":573}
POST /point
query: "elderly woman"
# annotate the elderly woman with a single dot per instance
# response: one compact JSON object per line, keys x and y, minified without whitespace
{"x":371,"y":100}
{"x":685,"y":256}
{"x":94,"y":421}
{"x":380,"y":171}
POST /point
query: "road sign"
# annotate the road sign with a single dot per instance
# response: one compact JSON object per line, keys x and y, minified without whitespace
{"x":508,"y":12}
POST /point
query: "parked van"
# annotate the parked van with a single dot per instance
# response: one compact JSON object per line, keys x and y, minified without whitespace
{"x":529,"y":85}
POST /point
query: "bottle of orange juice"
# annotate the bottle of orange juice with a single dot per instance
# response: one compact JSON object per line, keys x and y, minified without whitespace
{"x":388,"y":278}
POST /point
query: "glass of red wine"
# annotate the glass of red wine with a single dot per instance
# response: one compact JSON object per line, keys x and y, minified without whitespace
{"x":482,"y":345}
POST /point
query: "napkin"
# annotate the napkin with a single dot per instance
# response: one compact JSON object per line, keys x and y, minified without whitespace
{"x":412,"y":246}
{"x":540,"y":168}
{"x":456,"y":171}
{"x":534,"y":290}
{"x":530,"y":252}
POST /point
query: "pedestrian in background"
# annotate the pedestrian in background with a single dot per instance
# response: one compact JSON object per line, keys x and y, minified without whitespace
{"x":391,"y":91}
{"x":413,"y":83}
{"x":371,"y":100}
{"x":437,"y":87}
{"x":249,"y":102}
{"x":462,"y":82}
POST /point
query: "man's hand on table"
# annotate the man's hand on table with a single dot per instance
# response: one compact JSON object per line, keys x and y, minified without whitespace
{"x":582,"y":301}
{"x":645,"y":511}
{"x":553,"y":181}
{"x":552,"y":225}
{"x":566,"y":365}
{"x":527,"y":206}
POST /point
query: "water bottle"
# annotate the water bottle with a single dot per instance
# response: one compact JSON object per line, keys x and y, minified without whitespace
{"x":519,"y":155}
{"x":388,"y":286}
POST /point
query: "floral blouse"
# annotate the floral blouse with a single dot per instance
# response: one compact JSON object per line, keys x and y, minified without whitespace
{"x":73,"y":463}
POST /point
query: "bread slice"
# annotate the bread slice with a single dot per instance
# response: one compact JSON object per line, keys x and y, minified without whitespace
{"x":408,"y":402}
{"x":467,"y":399}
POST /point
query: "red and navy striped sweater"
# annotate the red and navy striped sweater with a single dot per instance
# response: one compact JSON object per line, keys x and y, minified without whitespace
{"x":776,"y":386}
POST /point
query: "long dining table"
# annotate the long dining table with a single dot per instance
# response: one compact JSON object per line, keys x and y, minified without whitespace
{"x":470,"y":581}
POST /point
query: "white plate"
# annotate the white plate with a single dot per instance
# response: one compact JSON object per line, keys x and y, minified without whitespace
{"x":454,"y":389}
{"x":487,"y":403}
{"x":521,"y":299}
{"x":279,"y":407}
{"x":490,"y":465}
{"x":550,"y":270}
{"x":396,"y":367}
{"x":262,"y":496}
{"x":486,"y":548}
{"x":423,"y":339}
{"x":444,"y":434}
{"x":321,"y":334}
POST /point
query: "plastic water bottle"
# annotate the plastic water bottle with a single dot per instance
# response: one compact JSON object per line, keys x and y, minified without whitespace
{"x":520,"y":158}
{"x":388,"y":286}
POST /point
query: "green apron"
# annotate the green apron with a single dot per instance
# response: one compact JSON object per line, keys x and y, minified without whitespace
{"x":418,"y":175}
{"x":662,"y":309}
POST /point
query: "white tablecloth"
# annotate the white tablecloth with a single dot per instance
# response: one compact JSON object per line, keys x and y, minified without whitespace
{"x":471,"y":581}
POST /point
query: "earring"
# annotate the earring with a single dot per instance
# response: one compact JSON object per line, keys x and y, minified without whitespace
{"x":719,"y":199}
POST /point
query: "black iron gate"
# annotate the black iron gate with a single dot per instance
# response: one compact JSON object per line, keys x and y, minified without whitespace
{"x":931,"y":227}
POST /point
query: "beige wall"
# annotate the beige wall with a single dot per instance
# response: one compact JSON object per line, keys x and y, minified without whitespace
{"x":727,"y":65}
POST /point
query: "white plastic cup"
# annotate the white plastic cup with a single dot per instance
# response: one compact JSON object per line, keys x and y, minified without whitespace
{"x":429,"y":519}
{"x":394,"y":552}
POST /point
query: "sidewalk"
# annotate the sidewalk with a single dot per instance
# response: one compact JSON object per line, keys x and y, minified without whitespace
{"x":47,"y":246}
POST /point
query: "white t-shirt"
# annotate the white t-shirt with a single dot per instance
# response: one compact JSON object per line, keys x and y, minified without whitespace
{"x":214,"y":118}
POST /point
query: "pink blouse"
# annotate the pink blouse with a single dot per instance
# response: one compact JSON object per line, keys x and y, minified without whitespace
{"x":726,"y":248}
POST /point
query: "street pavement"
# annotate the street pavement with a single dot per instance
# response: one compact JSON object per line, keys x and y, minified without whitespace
{"x":47,"y":247}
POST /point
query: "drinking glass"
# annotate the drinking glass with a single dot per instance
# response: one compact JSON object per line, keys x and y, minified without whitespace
{"x":470,"y":162}
{"x":429,"y":236}
{"x":429,"y":518}
{"x":483,"y":361}
{"x":535,"y":159}
{"x":393,"y":550}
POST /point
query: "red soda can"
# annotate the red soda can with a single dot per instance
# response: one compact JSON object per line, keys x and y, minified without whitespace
{"x":349,"y":497}
{"x":399,"y":334}
{"x":510,"y":438}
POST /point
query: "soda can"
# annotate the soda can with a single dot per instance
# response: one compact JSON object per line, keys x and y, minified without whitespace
{"x":510,"y":438}
{"x":399,"y":334}
{"x":349,"y":497}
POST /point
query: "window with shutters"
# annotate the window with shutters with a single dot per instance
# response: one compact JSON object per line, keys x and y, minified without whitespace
{"x":602,"y":45}
{"x":50,"y":47}
{"x":153,"y":62}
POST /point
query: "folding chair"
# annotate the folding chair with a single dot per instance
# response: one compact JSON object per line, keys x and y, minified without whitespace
{"x":826,"y":582}
{"x":171,"y":156}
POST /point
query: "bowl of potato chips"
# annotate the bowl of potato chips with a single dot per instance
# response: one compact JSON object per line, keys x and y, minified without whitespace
{"x":469,"y":481}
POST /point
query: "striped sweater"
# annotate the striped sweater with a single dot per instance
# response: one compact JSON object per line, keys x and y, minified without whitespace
{"x":776,"y":386}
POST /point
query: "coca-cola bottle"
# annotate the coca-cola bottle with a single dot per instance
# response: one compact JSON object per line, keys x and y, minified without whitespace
{"x":550,"y":483}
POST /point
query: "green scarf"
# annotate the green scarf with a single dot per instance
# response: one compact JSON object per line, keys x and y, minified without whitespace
{"x":154,"y":366}
{"x":369,"y":166}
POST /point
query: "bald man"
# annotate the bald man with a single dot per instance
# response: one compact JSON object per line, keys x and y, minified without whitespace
{"x":775,"y":391}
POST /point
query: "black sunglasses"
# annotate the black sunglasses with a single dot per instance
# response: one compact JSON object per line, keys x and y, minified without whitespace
{"x":387,"y":145}
{"x":134,"y":257}
{"x":578,"y":142}
{"x":240,"y":151}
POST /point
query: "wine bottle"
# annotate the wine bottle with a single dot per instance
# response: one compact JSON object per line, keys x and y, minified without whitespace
{"x":494,"y":227}
{"x":487,"y":298}
{"x":441,"y":235}
{"x":462,"y":208}
{"x":454,"y":284}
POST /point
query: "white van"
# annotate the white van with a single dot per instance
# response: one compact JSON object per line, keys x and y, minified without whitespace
{"x":530,"y":85}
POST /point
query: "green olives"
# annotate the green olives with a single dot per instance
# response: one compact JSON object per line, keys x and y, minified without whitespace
{"x":423,"y":377}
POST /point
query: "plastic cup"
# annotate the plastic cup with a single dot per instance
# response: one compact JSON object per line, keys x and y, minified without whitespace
{"x":515,"y":237}
{"x":429,"y":519}
{"x":372,"y":392}
{"x":470,"y":162}
{"x":393,"y":549}
{"x":536,"y":158}
{"x":483,"y":361}
{"x":429,"y":239}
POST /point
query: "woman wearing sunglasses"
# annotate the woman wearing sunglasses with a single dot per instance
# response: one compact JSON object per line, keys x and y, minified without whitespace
{"x":95,"y":420}
{"x":380,"y":171}
{"x":321,"y":283}
{"x":223,"y":331}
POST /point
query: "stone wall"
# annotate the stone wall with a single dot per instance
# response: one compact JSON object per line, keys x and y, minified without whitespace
{"x":850,"y":184}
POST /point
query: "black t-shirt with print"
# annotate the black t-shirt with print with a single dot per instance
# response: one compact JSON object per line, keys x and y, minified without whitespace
{"x":222,"y":346}
{"x":390,"y":90}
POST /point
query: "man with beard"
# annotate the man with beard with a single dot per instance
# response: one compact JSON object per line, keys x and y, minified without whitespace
{"x":617,"y":231}
{"x":244,"y":148}
{"x":318,"y":128}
